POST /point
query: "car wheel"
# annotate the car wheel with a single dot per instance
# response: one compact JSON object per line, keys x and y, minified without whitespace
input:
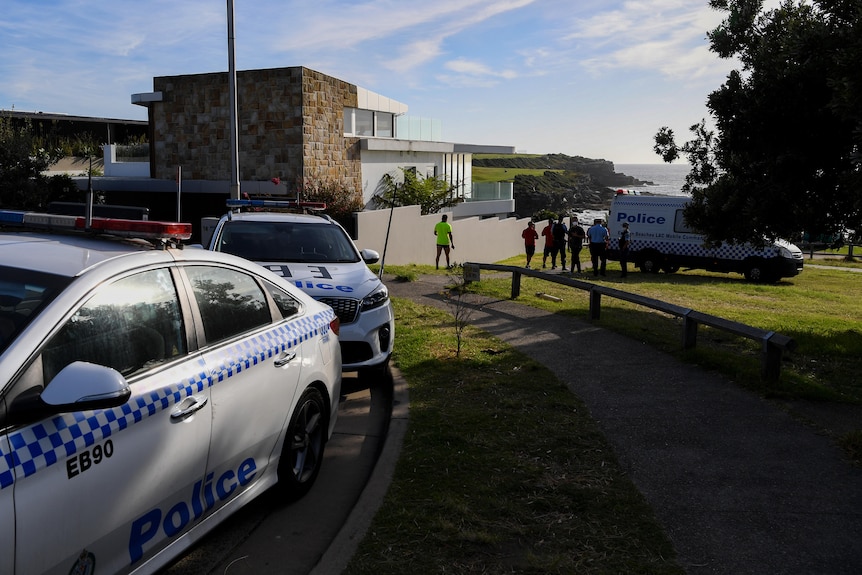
{"x":375,"y":372}
{"x":650,"y":262}
{"x":670,"y":269}
{"x":755,"y":271}
{"x":302,"y":453}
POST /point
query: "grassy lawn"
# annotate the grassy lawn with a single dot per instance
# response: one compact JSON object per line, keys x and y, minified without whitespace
{"x":504,"y":174}
{"x":502,"y":470}
{"x":820,"y":308}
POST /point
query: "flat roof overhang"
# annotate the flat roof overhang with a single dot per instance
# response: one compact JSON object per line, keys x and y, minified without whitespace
{"x":146,"y":98}
{"x":395,"y":145}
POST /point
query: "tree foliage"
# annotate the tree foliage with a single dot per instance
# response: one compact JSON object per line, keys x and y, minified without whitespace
{"x":431,"y":194}
{"x":341,"y":200}
{"x":785,"y":154}
{"x":22,"y":163}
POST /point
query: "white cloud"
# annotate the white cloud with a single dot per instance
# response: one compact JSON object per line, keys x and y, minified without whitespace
{"x":472,"y":68}
{"x":336,"y":26}
{"x":414,"y":35}
{"x":415,"y":54}
{"x":667,"y":36}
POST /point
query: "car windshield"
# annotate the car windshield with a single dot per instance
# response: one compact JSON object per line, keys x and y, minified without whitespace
{"x":287,"y":242}
{"x":23,"y":294}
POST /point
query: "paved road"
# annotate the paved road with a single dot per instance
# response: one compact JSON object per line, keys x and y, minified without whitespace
{"x":820,"y":267}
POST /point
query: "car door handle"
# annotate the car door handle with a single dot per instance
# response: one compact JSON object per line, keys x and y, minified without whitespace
{"x":188,"y":407}
{"x":285,"y":358}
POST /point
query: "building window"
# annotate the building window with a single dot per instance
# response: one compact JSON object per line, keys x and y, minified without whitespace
{"x":367,"y":123}
{"x":364,"y":123}
{"x":384,"y":125}
{"x":348,"y":121}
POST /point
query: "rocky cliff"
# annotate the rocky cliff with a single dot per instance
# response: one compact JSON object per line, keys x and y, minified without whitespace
{"x":583,"y":184}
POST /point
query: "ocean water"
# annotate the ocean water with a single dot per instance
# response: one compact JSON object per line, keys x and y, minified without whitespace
{"x":667,"y":179}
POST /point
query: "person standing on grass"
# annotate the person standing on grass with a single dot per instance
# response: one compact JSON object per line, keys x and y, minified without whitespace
{"x":443,"y":231}
{"x":576,"y":242}
{"x":625,"y":238}
{"x":530,"y":236}
{"x":560,"y":232}
{"x":548,"y":234}
{"x":599,"y":237}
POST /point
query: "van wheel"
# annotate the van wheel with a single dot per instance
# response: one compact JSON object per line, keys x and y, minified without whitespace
{"x":756,"y":271}
{"x":650,"y":262}
{"x":302,"y":453}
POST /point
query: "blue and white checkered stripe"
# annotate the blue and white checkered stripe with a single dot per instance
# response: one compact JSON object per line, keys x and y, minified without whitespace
{"x":43,"y":444}
{"x":695,"y":249}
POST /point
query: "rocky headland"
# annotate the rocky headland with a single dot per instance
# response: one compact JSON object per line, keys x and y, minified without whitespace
{"x":570,"y":183}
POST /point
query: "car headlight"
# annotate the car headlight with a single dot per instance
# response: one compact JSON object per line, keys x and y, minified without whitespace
{"x":789,"y":253}
{"x":376,"y":298}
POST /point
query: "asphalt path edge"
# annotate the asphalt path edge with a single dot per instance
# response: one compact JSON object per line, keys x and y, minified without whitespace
{"x":343,"y":547}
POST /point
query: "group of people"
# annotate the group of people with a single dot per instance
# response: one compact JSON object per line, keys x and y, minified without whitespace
{"x":557,"y":237}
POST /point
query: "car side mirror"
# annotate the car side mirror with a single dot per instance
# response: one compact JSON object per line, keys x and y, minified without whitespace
{"x":81,"y":386}
{"x":369,"y":256}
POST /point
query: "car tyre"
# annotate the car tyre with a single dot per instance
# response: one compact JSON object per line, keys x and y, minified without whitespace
{"x":756,"y":271}
{"x":302,"y":453}
{"x":650,"y":262}
{"x":374,"y":373}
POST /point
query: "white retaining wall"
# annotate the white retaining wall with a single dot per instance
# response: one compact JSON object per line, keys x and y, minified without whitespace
{"x":412,"y":239}
{"x":116,"y":169}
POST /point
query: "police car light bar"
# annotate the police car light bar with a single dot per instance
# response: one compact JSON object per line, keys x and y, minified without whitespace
{"x":144,"y":229}
{"x":292,"y":204}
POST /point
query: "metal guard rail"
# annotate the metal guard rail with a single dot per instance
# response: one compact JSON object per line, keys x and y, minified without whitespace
{"x":773,"y":344}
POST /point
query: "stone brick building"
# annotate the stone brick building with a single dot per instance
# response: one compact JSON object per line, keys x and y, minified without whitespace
{"x":290,"y":121}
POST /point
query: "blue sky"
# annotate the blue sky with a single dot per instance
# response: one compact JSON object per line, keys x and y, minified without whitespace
{"x":589,"y":78}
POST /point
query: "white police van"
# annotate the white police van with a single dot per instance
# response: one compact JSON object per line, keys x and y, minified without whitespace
{"x":147,"y":391}
{"x":661,"y":240}
{"x":316,"y":255}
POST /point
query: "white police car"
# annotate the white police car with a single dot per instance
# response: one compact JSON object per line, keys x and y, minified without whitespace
{"x":147,"y":393}
{"x":315,"y":254}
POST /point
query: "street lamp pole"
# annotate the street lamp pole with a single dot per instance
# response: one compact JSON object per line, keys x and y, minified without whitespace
{"x":234,"y":124}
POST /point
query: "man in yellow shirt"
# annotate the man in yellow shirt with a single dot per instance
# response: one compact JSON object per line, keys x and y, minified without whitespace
{"x":443,"y":231}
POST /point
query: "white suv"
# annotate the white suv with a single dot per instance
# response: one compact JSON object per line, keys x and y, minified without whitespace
{"x":315,"y":254}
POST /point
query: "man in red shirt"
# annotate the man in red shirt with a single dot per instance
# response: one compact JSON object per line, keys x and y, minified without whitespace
{"x":548,"y":234}
{"x":530,"y":236}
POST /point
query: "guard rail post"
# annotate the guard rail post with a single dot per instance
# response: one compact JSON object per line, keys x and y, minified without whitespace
{"x":689,"y":330}
{"x":472,"y":273}
{"x":595,"y":304}
{"x":516,"y":284}
{"x":773,"y":346}
{"x":770,"y":359}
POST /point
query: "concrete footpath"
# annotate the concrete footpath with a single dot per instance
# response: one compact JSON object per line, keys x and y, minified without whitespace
{"x":740,"y":484}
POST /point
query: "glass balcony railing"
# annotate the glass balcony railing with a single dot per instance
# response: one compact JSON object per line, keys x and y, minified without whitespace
{"x":484,"y":191}
{"x":418,"y":128}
